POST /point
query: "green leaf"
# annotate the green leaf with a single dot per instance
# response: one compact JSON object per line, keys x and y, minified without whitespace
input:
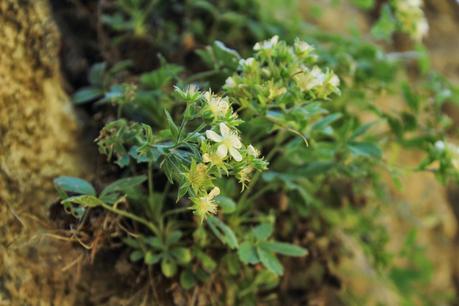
{"x":74,"y":185}
{"x":283,"y":248}
{"x":385,"y":25}
{"x":270,"y":261}
{"x":168,"y":267}
{"x":227,"y":205}
{"x":84,"y":200}
{"x":362,"y":129}
{"x":410,"y":97}
{"x":86,"y":94}
{"x":223,"y":232}
{"x":365,"y":149}
{"x":151,"y":258}
{"x":182,"y":255}
{"x":263,"y":231}
{"x":136,"y":255}
{"x":96,"y":73}
{"x":172,"y":126}
{"x":207,"y":262}
{"x":248,"y":253}
{"x":325,"y":122}
{"x":173,"y":237}
{"x":122,"y":185}
{"x":160,"y":77}
{"x":155,"y":242}
{"x":187,"y":279}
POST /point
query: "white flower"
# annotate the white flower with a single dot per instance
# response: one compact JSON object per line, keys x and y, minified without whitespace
{"x":247,"y":62}
{"x":205,"y":205}
{"x":229,"y":142}
{"x":303,"y":47}
{"x":229,"y":82}
{"x":218,"y":106}
{"x":310,"y":79}
{"x":252,"y":151}
{"x":334,"y":80}
{"x":267,"y":44}
{"x":440,"y":145}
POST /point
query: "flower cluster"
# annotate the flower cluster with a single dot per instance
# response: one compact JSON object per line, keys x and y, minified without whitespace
{"x":222,"y":153}
{"x":411,"y":17}
{"x":289,"y":73}
{"x":450,"y":150}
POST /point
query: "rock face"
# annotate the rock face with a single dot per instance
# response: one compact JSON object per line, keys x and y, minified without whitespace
{"x":38,"y":141}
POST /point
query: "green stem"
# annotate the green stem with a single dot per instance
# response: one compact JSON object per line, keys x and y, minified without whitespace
{"x":256,"y":177}
{"x":150,"y":179}
{"x":201,"y":75}
{"x":176,"y":211}
{"x":131,"y":216}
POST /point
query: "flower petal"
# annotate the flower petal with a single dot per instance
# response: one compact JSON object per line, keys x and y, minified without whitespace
{"x":224,"y":129}
{"x":235,"y":141}
{"x":214,"y":192}
{"x":222,"y":151}
{"x":213,"y":136}
{"x":235,"y":154}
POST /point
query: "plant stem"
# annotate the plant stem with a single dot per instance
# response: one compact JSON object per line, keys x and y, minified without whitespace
{"x":201,"y":75}
{"x":176,"y":211}
{"x":269,"y":157}
{"x":150,"y":179}
{"x":131,"y":216}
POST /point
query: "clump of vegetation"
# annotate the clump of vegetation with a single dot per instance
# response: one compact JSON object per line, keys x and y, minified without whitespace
{"x":201,"y":155}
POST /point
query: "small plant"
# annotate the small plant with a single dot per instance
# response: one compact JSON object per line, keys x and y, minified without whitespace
{"x":200,"y":155}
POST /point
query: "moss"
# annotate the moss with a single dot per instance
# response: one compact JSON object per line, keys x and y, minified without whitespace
{"x":38,"y":135}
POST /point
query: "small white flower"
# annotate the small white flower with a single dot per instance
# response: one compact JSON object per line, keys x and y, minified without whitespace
{"x":218,"y":106}
{"x":310,"y":79}
{"x":267,"y":44}
{"x":303,"y":47}
{"x":440,"y":145}
{"x":230,"y":83}
{"x":252,"y":151}
{"x":334,"y":80}
{"x":229,"y":142}
{"x":247,"y":62}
